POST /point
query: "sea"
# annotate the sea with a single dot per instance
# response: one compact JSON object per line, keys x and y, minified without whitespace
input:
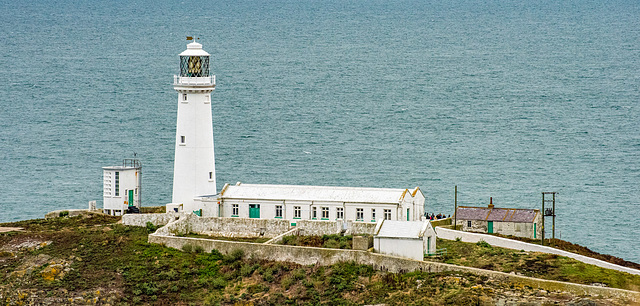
{"x":504,"y":99}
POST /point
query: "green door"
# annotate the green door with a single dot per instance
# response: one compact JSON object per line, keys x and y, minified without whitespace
{"x":407,"y":214}
{"x":130,"y":197}
{"x":254,"y":210}
{"x":534,"y":230}
{"x":490,"y":227}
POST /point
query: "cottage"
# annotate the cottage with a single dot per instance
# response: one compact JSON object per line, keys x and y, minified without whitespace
{"x":293,"y":202}
{"x":505,"y":221}
{"x":404,"y":239}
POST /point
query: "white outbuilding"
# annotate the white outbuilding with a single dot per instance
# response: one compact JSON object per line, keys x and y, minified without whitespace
{"x":404,"y":239}
{"x":294,"y":202}
{"x":122,"y":187}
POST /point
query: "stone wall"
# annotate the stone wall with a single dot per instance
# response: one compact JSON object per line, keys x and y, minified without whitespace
{"x":142,"y":219}
{"x":323,"y":256}
{"x":360,"y":228}
{"x":226,"y":227}
{"x":519,"y":245}
{"x":318,"y":228}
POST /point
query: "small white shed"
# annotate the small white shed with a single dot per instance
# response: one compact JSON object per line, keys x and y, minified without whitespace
{"x":410,"y":239}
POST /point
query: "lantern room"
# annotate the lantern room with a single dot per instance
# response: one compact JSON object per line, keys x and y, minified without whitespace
{"x":194,"y":62}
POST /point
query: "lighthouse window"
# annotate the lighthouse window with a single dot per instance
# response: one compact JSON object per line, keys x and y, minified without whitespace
{"x":184,"y":97}
{"x":117,"y":183}
{"x":210,"y":175}
{"x":183,"y":139}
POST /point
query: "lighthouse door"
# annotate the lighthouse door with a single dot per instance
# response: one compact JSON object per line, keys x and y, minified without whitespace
{"x":130,"y":197}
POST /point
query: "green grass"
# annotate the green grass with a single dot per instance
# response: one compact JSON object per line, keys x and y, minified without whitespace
{"x":112,"y":257}
{"x":534,"y":264}
{"x":324,"y":241}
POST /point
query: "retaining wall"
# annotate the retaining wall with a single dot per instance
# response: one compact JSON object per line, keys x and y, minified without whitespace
{"x":155,"y":219}
{"x":323,"y":256}
{"x":226,"y":227}
{"x":450,"y":234}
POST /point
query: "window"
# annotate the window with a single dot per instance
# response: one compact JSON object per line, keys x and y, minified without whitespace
{"x":210,"y":175}
{"x":373,"y":215}
{"x":117,"y":183}
{"x":278,"y":211}
{"x":207,"y":99}
{"x":325,"y":213}
{"x":297,"y":212}
{"x":183,"y":139}
{"x":468,"y":223}
{"x":339,"y":213}
{"x":387,"y":214}
{"x":359,"y":214}
{"x":314,"y":212}
{"x":184,"y":97}
{"x":234,"y":210}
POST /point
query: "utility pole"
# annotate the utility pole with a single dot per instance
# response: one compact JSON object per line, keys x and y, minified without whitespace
{"x":549,"y":212}
{"x":455,"y":212}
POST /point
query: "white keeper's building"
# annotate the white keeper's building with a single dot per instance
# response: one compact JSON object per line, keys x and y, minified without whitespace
{"x":292,"y":202}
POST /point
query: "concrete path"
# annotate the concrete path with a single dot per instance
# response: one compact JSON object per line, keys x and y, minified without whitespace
{"x":450,"y":234}
{"x":10,"y":229}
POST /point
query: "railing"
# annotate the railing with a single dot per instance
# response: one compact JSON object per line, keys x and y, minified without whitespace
{"x":194,"y":81}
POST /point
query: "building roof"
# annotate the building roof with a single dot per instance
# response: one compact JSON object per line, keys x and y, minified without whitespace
{"x":402,"y":229}
{"x":315,"y":193}
{"x":496,"y":214}
{"x":194,"y":49}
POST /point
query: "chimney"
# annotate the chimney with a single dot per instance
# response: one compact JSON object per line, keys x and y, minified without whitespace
{"x":491,"y":202}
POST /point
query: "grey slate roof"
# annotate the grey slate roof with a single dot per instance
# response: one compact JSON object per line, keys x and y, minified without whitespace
{"x":496,"y":214}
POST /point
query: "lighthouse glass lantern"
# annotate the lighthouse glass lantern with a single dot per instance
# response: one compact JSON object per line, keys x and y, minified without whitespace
{"x":194,"y":66}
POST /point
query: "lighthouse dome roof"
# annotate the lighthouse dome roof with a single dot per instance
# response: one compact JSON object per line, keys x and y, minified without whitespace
{"x":194,"y":49}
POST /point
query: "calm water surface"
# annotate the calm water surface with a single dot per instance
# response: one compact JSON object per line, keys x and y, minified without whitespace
{"x":505,"y":99}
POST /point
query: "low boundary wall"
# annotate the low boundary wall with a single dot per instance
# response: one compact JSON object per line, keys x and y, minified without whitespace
{"x":450,"y":234}
{"x":325,"y":257}
{"x":142,"y":219}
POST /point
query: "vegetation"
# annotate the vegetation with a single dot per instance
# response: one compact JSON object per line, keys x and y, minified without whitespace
{"x":540,"y":265}
{"x":324,"y":241}
{"x":92,"y":259}
{"x":239,"y":239}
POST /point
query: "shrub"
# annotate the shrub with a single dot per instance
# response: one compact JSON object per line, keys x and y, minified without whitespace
{"x":187,"y":248}
{"x":234,"y":256}
{"x":483,"y":244}
{"x":64,"y":213}
{"x":198,"y":249}
{"x":150,"y":227}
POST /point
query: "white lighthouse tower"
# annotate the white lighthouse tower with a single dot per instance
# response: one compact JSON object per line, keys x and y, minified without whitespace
{"x":194,"y":174}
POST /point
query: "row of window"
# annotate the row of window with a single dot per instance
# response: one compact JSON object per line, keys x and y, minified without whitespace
{"x":206,"y":98}
{"x":297,"y":212}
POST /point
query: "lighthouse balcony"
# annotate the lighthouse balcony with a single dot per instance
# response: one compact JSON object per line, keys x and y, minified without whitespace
{"x":194,"y":81}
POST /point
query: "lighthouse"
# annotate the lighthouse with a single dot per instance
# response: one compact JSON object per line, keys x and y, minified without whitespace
{"x":194,"y":174}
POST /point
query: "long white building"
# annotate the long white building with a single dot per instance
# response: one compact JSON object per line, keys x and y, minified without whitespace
{"x":293,"y":202}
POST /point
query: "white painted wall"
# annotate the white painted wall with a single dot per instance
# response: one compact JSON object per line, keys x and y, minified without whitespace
{"x":402,"y":247}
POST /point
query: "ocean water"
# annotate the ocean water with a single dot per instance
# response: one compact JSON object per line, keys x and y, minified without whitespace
{"x":505,"y":99}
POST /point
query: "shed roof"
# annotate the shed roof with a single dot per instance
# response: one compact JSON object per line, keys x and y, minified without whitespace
{"x":314,"y":193}
{"x":496,"y":214}
{"x":402,"y":229}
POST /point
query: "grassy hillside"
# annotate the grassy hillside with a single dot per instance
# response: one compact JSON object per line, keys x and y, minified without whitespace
{"x":92,"y":260}
{"x":534,"y":264}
